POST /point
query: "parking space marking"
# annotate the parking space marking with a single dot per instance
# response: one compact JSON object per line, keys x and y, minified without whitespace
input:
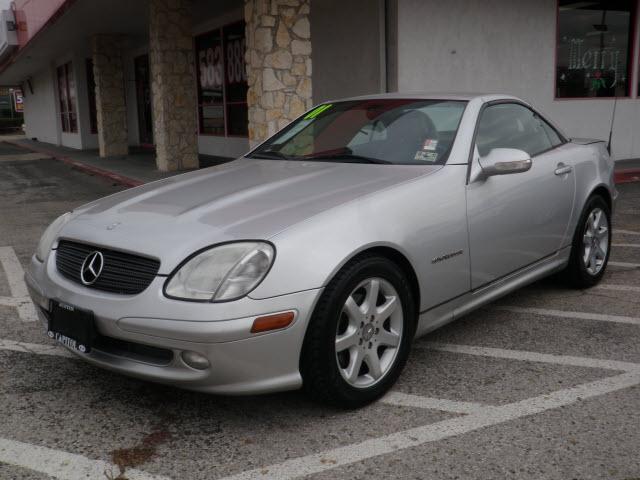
{"x":619,"y":288}
{"x":69,"y":466}
{"x":35,"y":348}
{"x":489,"y":416}
{"x":569,"y":314}
{"x":63,"y":465}
{"x":430,"y":403}
{"x":624,"y":264}
{"x":13,"y":270}
{"x":626,"y":232}
{"x":19,"y":293}
{"x":532,"y":356}
{"x":626,"y":245}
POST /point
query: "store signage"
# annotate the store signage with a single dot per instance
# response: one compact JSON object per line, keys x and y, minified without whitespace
{"x":18,"y":101}
{"x":595,"y":62}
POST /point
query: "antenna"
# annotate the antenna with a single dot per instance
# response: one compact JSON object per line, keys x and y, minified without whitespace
{"x":613,"y":116}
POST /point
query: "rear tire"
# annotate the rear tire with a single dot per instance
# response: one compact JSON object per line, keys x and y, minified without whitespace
{"x":360,"y":334}
{"x":591,"y":245}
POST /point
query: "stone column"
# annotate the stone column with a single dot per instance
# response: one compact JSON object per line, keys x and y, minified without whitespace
{"x":110,"y":95}
{"x":173,"y":84}
{"x":278,"y":61}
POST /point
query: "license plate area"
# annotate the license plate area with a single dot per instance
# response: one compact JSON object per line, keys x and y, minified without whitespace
{"x":72,"y":326}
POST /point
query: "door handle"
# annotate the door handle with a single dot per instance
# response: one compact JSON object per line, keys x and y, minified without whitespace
{"x":563,"y":169}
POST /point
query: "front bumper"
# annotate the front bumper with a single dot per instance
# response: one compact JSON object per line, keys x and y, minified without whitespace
{"x":135,"y":329}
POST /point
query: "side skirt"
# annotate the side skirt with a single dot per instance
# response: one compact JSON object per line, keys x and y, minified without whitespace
{"x":466,"y":303}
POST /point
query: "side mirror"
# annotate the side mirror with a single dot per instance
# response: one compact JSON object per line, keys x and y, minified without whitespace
{"x":504,"y":161}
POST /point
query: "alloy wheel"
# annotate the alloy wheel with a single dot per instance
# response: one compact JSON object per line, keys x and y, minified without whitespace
{"x":369,"y":333}
{"x":595,"y":241}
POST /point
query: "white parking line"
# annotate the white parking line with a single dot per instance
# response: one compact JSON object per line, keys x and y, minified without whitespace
{"x":619,"y":288}
{"x":13,"y":270}
{"x":624,"y":264}
{"x":19,"y":293}
{"x":418,"y":401}
{"x":626,"y":245}
{"x":62,"y":465}
{"x":626,"y":232}
{"x":532,"y":356}
{"x":330,"y":459}
{"x":34,"y":348}
{"x":567,"y":314}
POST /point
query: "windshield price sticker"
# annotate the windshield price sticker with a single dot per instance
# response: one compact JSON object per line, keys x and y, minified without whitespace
{"x":430,"y":145}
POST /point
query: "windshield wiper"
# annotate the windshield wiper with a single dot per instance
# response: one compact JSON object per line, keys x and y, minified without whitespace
{"x":346,"y":158}
{"x":271,"y":154}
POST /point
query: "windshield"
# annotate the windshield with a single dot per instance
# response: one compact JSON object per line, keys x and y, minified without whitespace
{"x":387,"y":131}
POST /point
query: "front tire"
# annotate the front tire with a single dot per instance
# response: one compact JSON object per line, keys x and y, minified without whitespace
{"x":360,"y":334}
{"x":591,"y":245}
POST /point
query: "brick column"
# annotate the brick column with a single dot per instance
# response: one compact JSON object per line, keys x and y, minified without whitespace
{"x":173,"y":84}
{"x":110,"y":95}
{"x":278,"y":61}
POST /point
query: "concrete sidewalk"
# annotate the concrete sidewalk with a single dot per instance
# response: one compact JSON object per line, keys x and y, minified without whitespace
{"x":140,"y":167}
{"x":131,"y":170}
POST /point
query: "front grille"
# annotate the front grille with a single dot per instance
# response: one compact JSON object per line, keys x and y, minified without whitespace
{"x":122,"y":273}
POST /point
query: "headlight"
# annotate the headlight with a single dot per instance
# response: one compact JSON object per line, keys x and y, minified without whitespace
{"x":50,"y":235}
{"x":222,"y":273}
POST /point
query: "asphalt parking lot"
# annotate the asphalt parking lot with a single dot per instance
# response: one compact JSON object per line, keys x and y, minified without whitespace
{"x":544,"y":384}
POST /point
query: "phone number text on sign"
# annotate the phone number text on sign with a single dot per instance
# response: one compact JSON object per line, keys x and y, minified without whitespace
{"x":211,"y":64}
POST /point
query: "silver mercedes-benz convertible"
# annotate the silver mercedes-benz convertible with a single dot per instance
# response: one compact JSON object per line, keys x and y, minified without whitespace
{"x":314,"y":260}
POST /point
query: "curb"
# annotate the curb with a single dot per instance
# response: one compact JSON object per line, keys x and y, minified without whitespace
{"x":90,"y":169}
{"x":627,"y":176}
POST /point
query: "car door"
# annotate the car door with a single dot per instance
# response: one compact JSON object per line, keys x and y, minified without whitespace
{"x":517,"y":219}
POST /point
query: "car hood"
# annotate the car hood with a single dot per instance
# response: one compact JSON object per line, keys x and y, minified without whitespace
{"x":243,"y":199}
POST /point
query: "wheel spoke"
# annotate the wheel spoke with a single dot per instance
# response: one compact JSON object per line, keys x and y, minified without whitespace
{"x":593,"y":260}
{"x":373,"y":288}
{"x":597,"y":217}
{"x":347,"y":339}
{"x":587,"y":255}
{"x":373,"y":362}
{"x":602,"y":233}
{"x":355,"y":362}
{"x":586,"y":240}
{"x":387,"y":338}
{"x":600,"y":253}
{"x":385,"y":310}
{"x":353,"y":311}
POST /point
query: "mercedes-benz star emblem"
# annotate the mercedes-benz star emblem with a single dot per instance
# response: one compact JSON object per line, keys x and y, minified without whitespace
{"x":91,"y":268}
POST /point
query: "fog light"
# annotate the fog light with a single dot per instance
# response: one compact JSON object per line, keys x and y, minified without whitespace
{"x":195,"y":360}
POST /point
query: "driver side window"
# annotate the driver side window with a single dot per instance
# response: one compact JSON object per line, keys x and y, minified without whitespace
{"x":511,"y":125}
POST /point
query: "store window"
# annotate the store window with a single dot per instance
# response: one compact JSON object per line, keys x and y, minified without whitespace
{"x":594,"y":48}
{"x":91,"y":92}
{"x":67,"y":98}
{"x":222,"y":81}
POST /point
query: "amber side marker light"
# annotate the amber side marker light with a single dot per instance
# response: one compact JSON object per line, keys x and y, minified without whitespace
{"x":272,"y":322}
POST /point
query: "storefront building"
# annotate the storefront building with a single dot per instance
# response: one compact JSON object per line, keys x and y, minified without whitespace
{"x":195,"y":76}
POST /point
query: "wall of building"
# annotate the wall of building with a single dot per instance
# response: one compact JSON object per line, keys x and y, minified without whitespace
{"x":40,"y":108}
{"x":455,"y":46}
{"x":348,"y":48}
